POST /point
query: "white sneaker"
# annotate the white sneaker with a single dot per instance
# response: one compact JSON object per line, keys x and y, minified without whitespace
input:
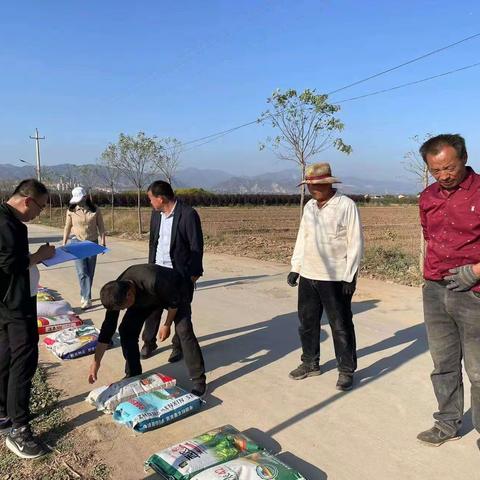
{"x":86,"y":304}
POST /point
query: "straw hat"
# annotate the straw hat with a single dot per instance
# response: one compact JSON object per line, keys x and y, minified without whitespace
{"x":319,"y":173}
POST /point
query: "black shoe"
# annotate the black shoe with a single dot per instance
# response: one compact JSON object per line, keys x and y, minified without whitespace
{"x":175,"y":356}
{"x":478,"y":443}
{"x":435,"y":437}
{"x":200,"y":390}
{"x":147,"y":350}
{"x":22,"y":443}
{"x":344,"y":382}
{"x":304,"y":371}
{"x":5,"y":426}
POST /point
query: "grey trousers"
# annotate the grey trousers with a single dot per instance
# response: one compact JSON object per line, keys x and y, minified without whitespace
{"x":453,"y":331}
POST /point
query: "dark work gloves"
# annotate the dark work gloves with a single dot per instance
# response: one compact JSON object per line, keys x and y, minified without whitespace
{"x":292,"y":279}
{"x":348,"y":288}
{"x":462,"y":278}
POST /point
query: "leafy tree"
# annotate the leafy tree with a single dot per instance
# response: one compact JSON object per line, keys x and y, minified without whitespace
{"x":307,"y":125}
{"x":170,"y":159}
{"x":137,"y":158}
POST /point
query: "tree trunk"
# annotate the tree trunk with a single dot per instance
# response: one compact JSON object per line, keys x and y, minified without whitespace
{"x":139,"y":212}
{"x":421,"y":258}
{"x":50,"y":207}
{"x":302,"y":190}
{"x":61,"y":204}
{"x":113,"y":211}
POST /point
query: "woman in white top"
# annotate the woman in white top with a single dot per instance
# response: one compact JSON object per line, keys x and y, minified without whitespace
{"x":85,"y":221}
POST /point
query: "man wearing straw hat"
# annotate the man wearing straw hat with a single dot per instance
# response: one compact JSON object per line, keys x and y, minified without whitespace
{"x":326,"y":257}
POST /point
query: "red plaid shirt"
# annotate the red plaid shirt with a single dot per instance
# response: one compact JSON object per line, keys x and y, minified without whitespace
{"x":451,"y":226}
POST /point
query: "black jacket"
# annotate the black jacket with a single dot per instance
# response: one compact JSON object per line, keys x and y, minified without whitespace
{"x":15,"y":298}
{"x":157,"y":288}
{"x":186,"y":246}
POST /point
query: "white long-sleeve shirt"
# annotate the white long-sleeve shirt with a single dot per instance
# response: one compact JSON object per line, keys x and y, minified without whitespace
{"x":162,"y":257}
{"x":329,"y":243}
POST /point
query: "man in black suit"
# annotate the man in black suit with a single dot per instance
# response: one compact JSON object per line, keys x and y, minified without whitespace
{"x":145,"y":291}
{"x":176,"y":242}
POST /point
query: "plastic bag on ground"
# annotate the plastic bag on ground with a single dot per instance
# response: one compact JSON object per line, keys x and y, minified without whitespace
{"x":60,"y":322}
{"x":157,"y":408}
{"x":73,"y":342}
{"x":108,"y":397}
{"x":185,"y":459}
{"x":256,"y":466}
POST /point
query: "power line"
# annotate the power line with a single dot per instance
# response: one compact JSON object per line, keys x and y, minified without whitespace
{"x":404,"y":64}
{"x":217,"y":135}
{"x":409,"y":83}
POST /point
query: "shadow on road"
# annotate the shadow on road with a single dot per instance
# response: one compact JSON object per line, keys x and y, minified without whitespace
{"x":230,"y":282}
{"x":258,"y":345}
{"x":415,"y":336}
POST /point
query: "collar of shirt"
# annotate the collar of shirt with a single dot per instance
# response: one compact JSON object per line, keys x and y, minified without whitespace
{"x":331,"y":201}
{"x":465,"y":184}
{"x":171,"y":212}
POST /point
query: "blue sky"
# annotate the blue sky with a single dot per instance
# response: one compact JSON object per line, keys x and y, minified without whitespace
{"x":82,"y":72}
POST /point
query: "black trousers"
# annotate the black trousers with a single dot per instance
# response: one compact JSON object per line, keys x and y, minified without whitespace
{"x":18,"y":363}
{"x":131,"y":327}
{"x":313,"y":297}
{"x":152,"y":324}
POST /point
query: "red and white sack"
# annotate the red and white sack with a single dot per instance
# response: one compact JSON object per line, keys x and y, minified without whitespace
{"x":59,"y":322}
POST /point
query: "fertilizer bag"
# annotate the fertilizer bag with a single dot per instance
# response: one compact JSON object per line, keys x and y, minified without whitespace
{"x":183,"y":460}
{"x":73,"y":342}
{"x":108,"y":397}
{"x":59,"y":322}
{"x":256,"y":466}
{"x":157,"y":408}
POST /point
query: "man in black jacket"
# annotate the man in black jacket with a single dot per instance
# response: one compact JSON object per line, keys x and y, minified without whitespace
{"x":176,"y":241}
{"x":18,"y":315}
{"x":145,"y":291}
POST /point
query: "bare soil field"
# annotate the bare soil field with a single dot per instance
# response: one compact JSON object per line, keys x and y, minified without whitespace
{"x":268,"y":233}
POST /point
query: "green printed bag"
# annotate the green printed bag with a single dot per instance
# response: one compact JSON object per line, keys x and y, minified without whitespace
{"x":256,"y":466}
{"x":185,"y":459}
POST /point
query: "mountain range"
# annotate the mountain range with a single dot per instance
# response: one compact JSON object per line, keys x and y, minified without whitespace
{"x":281,"y":182}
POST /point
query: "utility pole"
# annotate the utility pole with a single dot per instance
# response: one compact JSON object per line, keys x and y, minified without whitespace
{"x":37,"y":138}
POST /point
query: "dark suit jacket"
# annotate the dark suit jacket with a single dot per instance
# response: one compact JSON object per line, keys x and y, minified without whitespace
{"x":186,"y":246}
{"x":15,"y":298}
{"x":157,"y":288}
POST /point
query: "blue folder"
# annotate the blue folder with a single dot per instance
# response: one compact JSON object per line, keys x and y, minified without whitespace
{"x":75,"y":251}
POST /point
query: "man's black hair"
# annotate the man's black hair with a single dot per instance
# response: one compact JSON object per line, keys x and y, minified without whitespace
{"x":30,"y":188}
{"x":114,"y":294}
{"x":159,"y":188}
{"x":433,"y":145}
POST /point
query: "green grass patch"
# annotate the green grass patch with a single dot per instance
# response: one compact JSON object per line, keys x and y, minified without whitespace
{"x":391,"y":264}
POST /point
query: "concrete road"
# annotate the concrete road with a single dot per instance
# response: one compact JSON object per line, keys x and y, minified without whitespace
{"x":245,"y":318}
